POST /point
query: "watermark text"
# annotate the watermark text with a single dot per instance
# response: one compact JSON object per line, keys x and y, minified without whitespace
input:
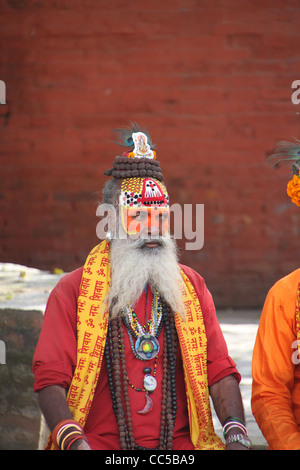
{"x":185,"y":222}
{"x":2,"y":352}
{"x":2,"y":92}
{"x":296,"y":94}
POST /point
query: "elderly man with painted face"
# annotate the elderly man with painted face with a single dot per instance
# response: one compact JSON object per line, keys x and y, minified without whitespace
{"x":131,"y":348}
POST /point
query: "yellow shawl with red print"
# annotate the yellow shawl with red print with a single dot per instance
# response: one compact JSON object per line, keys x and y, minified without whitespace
{"x":91,"y":336}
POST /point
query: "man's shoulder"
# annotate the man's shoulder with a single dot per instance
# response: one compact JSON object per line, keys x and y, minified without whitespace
{"x":69,"y":282}
{"x":193,"y":275}
{"x":291,"y":282}
{"x":203,"y":293}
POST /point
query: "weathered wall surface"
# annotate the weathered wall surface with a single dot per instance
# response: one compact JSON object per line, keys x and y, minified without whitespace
{"x":212,"y":82}
{"x":19,"y":412}
{"x":23,"y":296}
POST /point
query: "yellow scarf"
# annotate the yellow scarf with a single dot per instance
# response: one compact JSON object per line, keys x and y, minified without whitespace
{"x":91,"y":336}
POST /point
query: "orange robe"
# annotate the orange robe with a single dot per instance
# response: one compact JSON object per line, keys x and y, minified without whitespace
{"x":275,"y":366}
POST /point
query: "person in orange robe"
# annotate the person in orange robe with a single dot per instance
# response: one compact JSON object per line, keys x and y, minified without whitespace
{"x":276,"y":372}
{"x":275,"y":364}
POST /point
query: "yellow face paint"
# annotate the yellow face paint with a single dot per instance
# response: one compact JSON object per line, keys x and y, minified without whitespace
{"x":144,"y":207}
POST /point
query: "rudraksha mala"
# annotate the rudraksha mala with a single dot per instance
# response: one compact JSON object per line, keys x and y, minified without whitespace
{"x":117,"y":379}
{"x":124,"y":167}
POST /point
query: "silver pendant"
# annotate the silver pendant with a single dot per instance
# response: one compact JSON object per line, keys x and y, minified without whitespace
{"x":150,"y":383}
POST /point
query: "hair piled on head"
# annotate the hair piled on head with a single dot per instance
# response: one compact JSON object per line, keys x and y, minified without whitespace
{"x":135,"y":167}
{"x":111,"y":191}
{"x":124,"y":167}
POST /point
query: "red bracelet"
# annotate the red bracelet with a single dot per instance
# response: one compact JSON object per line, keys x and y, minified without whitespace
{"x":73,"y":440}
{"x":64,"y":424}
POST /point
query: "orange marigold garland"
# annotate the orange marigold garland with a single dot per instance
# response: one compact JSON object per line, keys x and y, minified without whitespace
{"x":133,"y":155}
{"x":288,"y":153}
{"x":293,"y":189}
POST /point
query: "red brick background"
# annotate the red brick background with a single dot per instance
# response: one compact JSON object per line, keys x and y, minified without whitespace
{"x":211,"y":80}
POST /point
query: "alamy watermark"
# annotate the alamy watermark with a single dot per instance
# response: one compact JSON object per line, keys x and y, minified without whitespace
{"x":296,"y":353}
{"x":184,"y":222}
{"x":296,"y":94}
{"x":2,"y":92}
{"x":2,"y":352}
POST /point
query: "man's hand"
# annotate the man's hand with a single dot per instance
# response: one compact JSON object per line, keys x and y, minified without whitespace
{"x":236,"y":446}
{"x":227,"y":400}
{"x":81,"y":444}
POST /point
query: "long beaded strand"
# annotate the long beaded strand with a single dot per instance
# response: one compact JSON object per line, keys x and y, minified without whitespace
{"x":130,"y":437}
{"x":171,"y":386}
{"x":114,"y":351}
{"x":117,"y":387}
{"x":172,"y":348}
{"x":164,"y":388}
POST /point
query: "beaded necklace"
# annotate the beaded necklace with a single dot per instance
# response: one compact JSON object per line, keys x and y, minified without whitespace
{"x":146,"y":344}
{"x":118,"y":382}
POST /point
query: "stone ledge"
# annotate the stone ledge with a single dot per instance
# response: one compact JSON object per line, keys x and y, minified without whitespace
{"x":19,"y":411}
{"x":23,"y":295}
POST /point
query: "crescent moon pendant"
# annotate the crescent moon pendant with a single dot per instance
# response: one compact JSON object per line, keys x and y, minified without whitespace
{"x":148,"y":406}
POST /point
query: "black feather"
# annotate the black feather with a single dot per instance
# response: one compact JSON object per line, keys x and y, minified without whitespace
{"x":285,"y":153}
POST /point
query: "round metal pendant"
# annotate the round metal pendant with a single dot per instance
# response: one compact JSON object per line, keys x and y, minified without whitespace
{"x":147,"y":346}
{"x":150,"y":383}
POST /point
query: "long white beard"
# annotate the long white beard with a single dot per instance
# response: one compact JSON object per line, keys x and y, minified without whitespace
{"x":133,"y":266}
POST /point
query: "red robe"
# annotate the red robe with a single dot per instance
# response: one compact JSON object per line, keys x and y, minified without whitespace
{"x":55,"y":361}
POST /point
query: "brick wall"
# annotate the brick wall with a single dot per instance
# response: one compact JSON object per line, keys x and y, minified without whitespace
{"x":212,"y":82}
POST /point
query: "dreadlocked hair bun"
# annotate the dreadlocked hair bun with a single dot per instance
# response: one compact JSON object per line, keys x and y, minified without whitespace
{"x":124,"y":167}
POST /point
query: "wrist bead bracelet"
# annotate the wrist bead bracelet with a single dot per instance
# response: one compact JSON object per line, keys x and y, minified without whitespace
{"x":231,"y":423}
{"x":65,"y":433}
{"x":234,"y":424}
